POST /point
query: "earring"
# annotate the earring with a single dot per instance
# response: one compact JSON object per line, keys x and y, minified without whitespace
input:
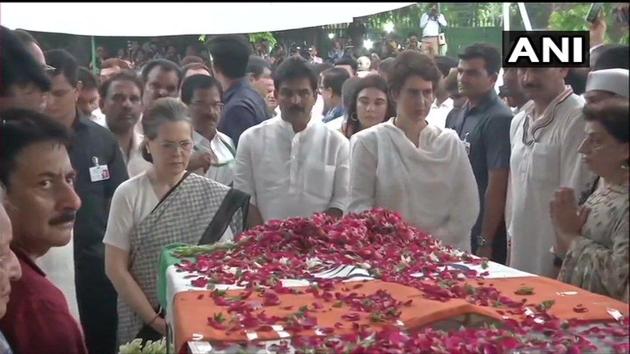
{"x":353,"y":117}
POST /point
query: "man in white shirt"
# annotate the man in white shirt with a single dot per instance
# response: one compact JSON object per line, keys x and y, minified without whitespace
{"x":292,"y":165}
{"x":121,"y":102}
{"x":544,"y":138}
{"x":430,"y":23}
{"x":214,"y":151}
{"x":88,"y":100}
{"x":443,"y":104}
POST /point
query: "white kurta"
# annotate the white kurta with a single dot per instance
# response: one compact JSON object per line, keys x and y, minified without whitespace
{"x":537,"y":171}
{"x":136,"y":164}
{"x":58,"y":264}
{"x":223,"y":148}
{"x":432,"y":186}
{"x":292,"y":174}
{"x":438,"y":113}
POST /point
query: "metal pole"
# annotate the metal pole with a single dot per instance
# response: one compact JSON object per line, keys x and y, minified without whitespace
{"x":506,"y":16}
{"x":94,"y":69}
{"x":524,"y":16}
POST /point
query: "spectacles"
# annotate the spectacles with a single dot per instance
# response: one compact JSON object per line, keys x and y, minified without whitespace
{"x":207,"y":106}
{"x":48,"y":68}
{"x":185,"y":145}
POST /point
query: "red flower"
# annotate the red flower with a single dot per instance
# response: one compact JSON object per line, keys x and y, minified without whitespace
{"x":270,"y":299}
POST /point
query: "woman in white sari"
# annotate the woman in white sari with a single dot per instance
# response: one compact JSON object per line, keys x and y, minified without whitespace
{"x":163,"y":205}
{"x":409,"y":166}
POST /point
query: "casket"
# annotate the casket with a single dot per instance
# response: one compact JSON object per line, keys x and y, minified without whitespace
{"x":279,"y":289}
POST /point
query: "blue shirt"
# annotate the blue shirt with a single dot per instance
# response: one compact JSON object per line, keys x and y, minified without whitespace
{"x":334,"y":114}
{"x":244,"y":108}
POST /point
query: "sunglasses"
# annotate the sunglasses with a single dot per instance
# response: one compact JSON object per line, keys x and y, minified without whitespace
{"x":47,"y":68}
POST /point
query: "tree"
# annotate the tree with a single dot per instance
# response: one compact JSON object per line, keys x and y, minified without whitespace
{"x":572,"y":17}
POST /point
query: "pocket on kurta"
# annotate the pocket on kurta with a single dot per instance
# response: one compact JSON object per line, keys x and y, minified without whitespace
{"x":546,"y":163}
{"x":319,"y":181}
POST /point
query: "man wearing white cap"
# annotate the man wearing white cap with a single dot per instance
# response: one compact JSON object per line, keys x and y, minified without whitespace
{"x":544,"y":138}
{"x":602,"y":84}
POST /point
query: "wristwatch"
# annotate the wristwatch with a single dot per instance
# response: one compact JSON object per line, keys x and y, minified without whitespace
{"x":482,"y":241}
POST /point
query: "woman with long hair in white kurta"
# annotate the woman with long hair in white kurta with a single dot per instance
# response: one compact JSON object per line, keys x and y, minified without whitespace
{"x":412,"y":167}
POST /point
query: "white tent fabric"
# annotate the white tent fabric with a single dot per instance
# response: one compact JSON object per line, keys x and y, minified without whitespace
{"x":167,"y":19}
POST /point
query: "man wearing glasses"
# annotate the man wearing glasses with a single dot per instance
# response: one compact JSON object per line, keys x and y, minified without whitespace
{"x":93,"y":150}
{"x":23,"y":83}
{"x":214,"y":151}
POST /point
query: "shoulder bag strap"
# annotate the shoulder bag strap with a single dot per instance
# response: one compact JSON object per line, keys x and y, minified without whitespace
{"x":234,"y":200}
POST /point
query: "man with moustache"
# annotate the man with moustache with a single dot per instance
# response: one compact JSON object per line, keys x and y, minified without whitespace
{"x":96,"y":157}
{"x":214,"y":151}
{"x":544,"y":138}
{"x":513,"y":91}
{"x":121,"y":102}
{"x":161,"y":78}
{"x":42,"y":206}
{"x":293,"y":165}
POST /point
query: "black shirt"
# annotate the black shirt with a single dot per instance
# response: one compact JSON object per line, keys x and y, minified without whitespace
{"x":487,"y":128}
{"x":91,"y":141}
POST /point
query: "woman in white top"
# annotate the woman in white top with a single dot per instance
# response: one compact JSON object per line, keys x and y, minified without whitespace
{"x":419,"y":170}
{"x":214,"y":154}
{"x":164,"y":205}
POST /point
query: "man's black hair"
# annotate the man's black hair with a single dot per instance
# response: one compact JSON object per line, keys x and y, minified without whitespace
{"x":346,"y":60}
{"x":256,"y":66}
{"x":485,"y":51}
{"x":445,"y":64}
{"x":125,"y":75}
{"x":198,"y":82}
{"x":87,"y":78}
{"x":25,"y":37}
{"x":230,"y":55}
{"x":17,"y":65}
{"x":65,"y":64}
{"x":21,"y":128}
{"x":612,"y":57}
{"x":163,"y":64}
{"x":334,"y":79}
{"x":295,"y":68}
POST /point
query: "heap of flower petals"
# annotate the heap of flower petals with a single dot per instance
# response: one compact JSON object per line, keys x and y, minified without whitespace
{"x":379,"y":242}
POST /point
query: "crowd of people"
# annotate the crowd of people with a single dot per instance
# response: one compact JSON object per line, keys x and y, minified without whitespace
{"x":100,"y":173}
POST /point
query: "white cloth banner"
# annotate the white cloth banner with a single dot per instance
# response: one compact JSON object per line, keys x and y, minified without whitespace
{"x":170,"y":19}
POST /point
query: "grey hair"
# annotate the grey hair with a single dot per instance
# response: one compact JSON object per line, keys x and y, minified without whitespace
{"x":163,"y":110}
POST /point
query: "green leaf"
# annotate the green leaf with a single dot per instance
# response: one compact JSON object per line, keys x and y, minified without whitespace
{"x":377,"y":317}
{"x":546,"y":305}
{"x":484,"y":264}
{"x":524,"y":291}
{"x":219,"y":317}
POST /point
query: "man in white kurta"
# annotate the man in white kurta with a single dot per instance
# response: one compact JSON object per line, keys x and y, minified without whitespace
{"x":292,"y":165}
{"x":544,"y":138}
